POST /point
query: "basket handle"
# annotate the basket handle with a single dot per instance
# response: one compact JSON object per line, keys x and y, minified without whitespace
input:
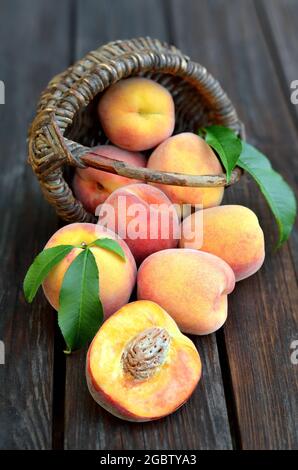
{"x":80,"y":156}
{"x":90,"y":159}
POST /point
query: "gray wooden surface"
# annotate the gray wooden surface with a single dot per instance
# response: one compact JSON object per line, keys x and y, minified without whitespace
{"x":248,"y":395}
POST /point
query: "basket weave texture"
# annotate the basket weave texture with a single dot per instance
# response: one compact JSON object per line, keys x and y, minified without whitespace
{"x":66,"y":124}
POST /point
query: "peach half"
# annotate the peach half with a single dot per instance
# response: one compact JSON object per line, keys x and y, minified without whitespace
{"x":192,"y":286}
{"x":92,"y":187}
{"x":231,"y":232}
{"x":137,"y":113}
{"x":140,"y":367}
{"x":116,"y":276}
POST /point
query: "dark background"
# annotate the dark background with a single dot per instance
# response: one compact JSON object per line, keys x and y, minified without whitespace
{"x":248,"y":395}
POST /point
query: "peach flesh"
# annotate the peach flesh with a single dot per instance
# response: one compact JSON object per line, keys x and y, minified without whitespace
{"x":169,"y":385}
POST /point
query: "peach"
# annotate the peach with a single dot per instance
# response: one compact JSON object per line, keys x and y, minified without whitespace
{"x":191,"y":285}
{"x":144,"y":217}
{"x":92,"y":186}
{"x":231,"y":232}
{"x":190,"y":154}
{"x":139,"y":366}
{"x":137,"y":113}
{"x":116,"y":276}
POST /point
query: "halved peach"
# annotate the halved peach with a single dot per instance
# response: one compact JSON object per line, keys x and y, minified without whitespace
{"x":140,"y":367}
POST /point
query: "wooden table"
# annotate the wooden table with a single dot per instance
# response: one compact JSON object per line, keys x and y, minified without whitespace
{"x":248,"y":397}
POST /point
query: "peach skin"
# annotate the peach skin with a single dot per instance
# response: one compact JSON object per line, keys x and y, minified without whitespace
{"x":92,"y":186}
{"x":190,"y":154}
{"x":144,"y":217}
{"x":116,"y":276}
{"x":139,"y":366}
{"x":231,"y":232}
{"x":192,"y":286}
{"x":137,"y":113}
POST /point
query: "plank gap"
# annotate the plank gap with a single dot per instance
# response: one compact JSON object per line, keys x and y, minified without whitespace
{"x":73,"y":29}
{"x":168,"y":18}
{"x":228,"y":390}
{"x":59,"y":377}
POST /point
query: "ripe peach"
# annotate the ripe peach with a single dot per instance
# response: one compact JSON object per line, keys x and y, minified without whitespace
{"x":140,"y":367}
{"x":137,"y":113}
{"x":190,"y":154}
{"x":92,"y":186}
{"x":144,"y":217}
{"x":231,"y":232}
{"x":191,"y":285}
{"x":116,"y":276}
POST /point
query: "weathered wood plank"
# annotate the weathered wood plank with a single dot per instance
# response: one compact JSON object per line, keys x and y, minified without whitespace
{"x":33,"y":47}
{"x":226,"y":37}
{"x":279,"y":24}
{"x":279,"y":21}
{"x":202,"y":423}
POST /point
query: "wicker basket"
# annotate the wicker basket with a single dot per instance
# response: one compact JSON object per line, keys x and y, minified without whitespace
{"x":66,"y":124}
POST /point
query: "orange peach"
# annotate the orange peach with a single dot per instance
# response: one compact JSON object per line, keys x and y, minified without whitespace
{"x":231,"y":232}
{"x":137,"y":113}
{"x":190,"y":154}
{"x":116,"y":276}
{"x":144,"y":217}
{"x":140,"y":367}
{"x":191,"y":285}
{"x":92,"y":186}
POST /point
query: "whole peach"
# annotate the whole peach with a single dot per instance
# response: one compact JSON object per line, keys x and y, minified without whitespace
{"x":231,"y":232}
{"x":144,"y":217}
{"x":190,"y":154}
{"x":192,"y":286}
{"x":116,"y":276}
{"x":137,"y":113}
{"x":92,"y":186}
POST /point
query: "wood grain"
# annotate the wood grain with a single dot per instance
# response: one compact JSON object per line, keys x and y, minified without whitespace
{"x":26,"y":379}
{"x":279,"y":24}
{"x":202,"y":423}
{"x":263,"y":318}
{"x":279,"y":21}
{"x":250,"y":46}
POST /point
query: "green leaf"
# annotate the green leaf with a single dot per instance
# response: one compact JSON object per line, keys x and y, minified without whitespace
{"x":276,"y":191}
{"x":81,"y":313}
{"x":226,"y":143}
{"x":109,"y":244}
{"x":41,"y":267}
